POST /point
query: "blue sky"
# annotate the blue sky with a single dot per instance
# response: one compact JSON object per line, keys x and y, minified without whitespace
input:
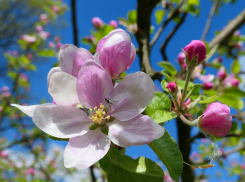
{"x":112,"y":9}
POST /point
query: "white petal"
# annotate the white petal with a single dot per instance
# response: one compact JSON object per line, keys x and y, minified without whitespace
{"x":140,"y":130}
{"x":28,"y":110}
{"x":84,"y":151}
{"x":131,"y":96}
{"x":61,"y":121}
{"x":62,"y":88}
{"x":52,"y":71}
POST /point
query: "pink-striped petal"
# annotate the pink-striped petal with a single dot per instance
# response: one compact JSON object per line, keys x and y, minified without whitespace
{"x":131,"y":96}
{"x":61,"y":121}
{"x":140,"y":130}
{"x":84,"y":151}
{"x":62,"y":88}
{"x":28,"y":110}
{"x":93,"y":84}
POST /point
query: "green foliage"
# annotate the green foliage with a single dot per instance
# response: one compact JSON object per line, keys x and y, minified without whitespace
{"x":169,"y":67}
{"x":168,"y":152}
{"x":121,"y":168}
{"x":234,"y":91}
{"x":47,"y":53}
{"x":231,"y":101}
{"x":207,"y":100}
{"x":159,"y":108}
{"x":235,"y":67}
{"x":132,"y":16}
{"x":159,"y":15}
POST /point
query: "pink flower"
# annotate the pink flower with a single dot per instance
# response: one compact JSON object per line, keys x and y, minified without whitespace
{"x":55,"y":9}
{"x":216,"y":120}
{"x":58,"y":45}
{"x":116,"y":52}
{"x":56,"y":39}
{"x":43,"y":17}
{"x":243,"y":166}
{"x":172,"y":87}
{"x":4,"y":154}
{"x":195,"y":50}
{"x":51,"y":44}
{"x":221,"y":74}
{"x":113,"y":23}
{"x":5,"y":88}
{"x":237,"y":33}
{"x":220,"y":59}
{"x":15,"y":53}
{"x":91,"y":39}
{"x":28,"y":38}
{"x":207,"y":85}
{"x":94,"y":90}
{"x":97,"y":22}
{"x":39,"y":28}
{"x":44,"y":35}
{"x":29,"y":56}
{"x":204,"y":78}
{"x":181,"y":58}
{"x":5,"y":94}
{"x":235,"y":82}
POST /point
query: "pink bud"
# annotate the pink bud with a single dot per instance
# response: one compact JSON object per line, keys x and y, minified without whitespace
{"x":51,"y":44}
{"x":184,"y":66}
{"x":43,"y":17}
{"x":220,"y":59}
{"x":44,"y":35}
{"x":113,"y":23}
{"x":56,"y":39}
{"x":187,"y":102}
{"x":237,"y":33}
{"x":235,"y":82}
{"x":55,"y":9}
{"x":181,"y":58}
{"x":216,"y":120}
{"x":15,"y":53}
{"x":207,"y":85}
{"x":31,"y":171}
{"x":90,"y":39}
{"x":5,"y":88}
{"x":116,"y":52}
{"x":4,"y":154}
{"x":221,"y":74}
{"x":243,"y":166}
{"x":39,"y":28}
{"x":97,"y":22}
{"x":29,"y":56}
{"x":58,"y":45}
{"x":196,"y":49}
{"x":172,"y":86}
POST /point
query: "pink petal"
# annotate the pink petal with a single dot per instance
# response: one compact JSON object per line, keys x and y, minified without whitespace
{"x":61,"y":121}
{"x":72,"y":58}
{"x":93,"y":84}
{"x":131,"y":96}
{"x":52,"y":71}
{"x":84,"y":151}
{"x":62,"y":88}
{"x":140,"y":130}
{"x":28,"y":110}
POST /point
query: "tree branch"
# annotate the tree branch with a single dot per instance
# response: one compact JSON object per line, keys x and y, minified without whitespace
{"x":160,"y":30}
{"x":229,"y":30}
{"x":209,"y":20}
{"x":170,"y":35}
{"x":74,"y":22}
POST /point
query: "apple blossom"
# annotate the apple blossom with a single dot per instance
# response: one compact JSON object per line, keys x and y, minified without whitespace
{"x":58,"y":45}
{"x":55,"y":9}
{"x":116,"y":52}
{"x":39,"y":28}
{"x":43,"y":35}
{"x":97,"y":22}
{"x":172,"y":87}
{"x":207,"y":85}
{"x":221,"y":74}
{"x":235,"y":82}
{"x":113,"y":23}
{"x":122,"y":120}
{"x":196,"y":52}
{"x":216,"y":120}
{"x":181,"y":58}
{"x":230,"y":81}
{"x":43,"y":17}
{"x":28,"y":38}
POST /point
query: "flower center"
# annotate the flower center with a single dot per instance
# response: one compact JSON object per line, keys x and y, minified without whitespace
{"x":98,"y":115}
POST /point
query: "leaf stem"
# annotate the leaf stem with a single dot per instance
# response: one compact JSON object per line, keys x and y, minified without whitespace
{"x":187,"y":80}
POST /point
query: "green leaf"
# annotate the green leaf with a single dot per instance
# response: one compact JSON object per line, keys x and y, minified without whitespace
{"x":132,"y":16}
{"x":210,"y":92}
{"x":243,"y":129}
{"x":231,"y":101}
{"x":207,"y":100}
{"x":165,"y":73}
{"x":235,"y":67}
{"x":168,"y":152}
{"x":60,"y":139}
{"x":121,"y":168}
{"x":159,"y":108}
{"x":159,"y":15}
{"x":234,"y":91}
{"x":193,"y":2}
{"x":196,"y":91}
{"x":234,"y":127}
{"x":181,"y":84}
{"x":169,"y":67}
{"x":47,"y":53}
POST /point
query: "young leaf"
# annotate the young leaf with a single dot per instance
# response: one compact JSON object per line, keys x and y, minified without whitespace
{"x":231,"y":101}
{"x":207,"y":100}
{"x":169,"y":67}
{"x":234,"y":91}
{"x":235,"y":67}
{"x":159,"y":15}
{"x":159,"y":108}
{"x":168,"y":152}
{"x":47,"y":53}
{"x":132,"y":16}
{"x":121,"y":168}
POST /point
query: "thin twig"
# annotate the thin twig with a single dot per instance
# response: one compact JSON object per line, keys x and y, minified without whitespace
{"x":170,"y":35}
{"x":74,"y":21}
{"x":209,"y":20}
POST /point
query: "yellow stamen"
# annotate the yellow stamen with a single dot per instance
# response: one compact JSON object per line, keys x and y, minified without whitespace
{"x":108,"y":117}
{"x":95,"y":108}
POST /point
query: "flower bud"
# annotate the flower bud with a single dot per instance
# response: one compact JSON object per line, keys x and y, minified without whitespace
{"x":207,"y":85}
{"x":97,"y":22}
{"x":172,"y":87}
{"x":181,"y":58}
{"x":216,"y":120}
{"x":221,"y":74}
{"x":219,"y":59}
{"x":235,"y":82}
{"x":116,"y":52}
{"x":196,"y":52}
{"x":43,"y":17}
{"x":113,"y":23}
{"x":39,"y":28}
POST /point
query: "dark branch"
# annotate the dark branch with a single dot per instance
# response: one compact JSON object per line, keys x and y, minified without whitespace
{"x":164,"y":45}
{"x":74,"y":21}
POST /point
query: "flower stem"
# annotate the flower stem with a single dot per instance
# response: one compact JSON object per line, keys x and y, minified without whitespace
{"x":188,"y":122}
{"x":187,"y":80}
